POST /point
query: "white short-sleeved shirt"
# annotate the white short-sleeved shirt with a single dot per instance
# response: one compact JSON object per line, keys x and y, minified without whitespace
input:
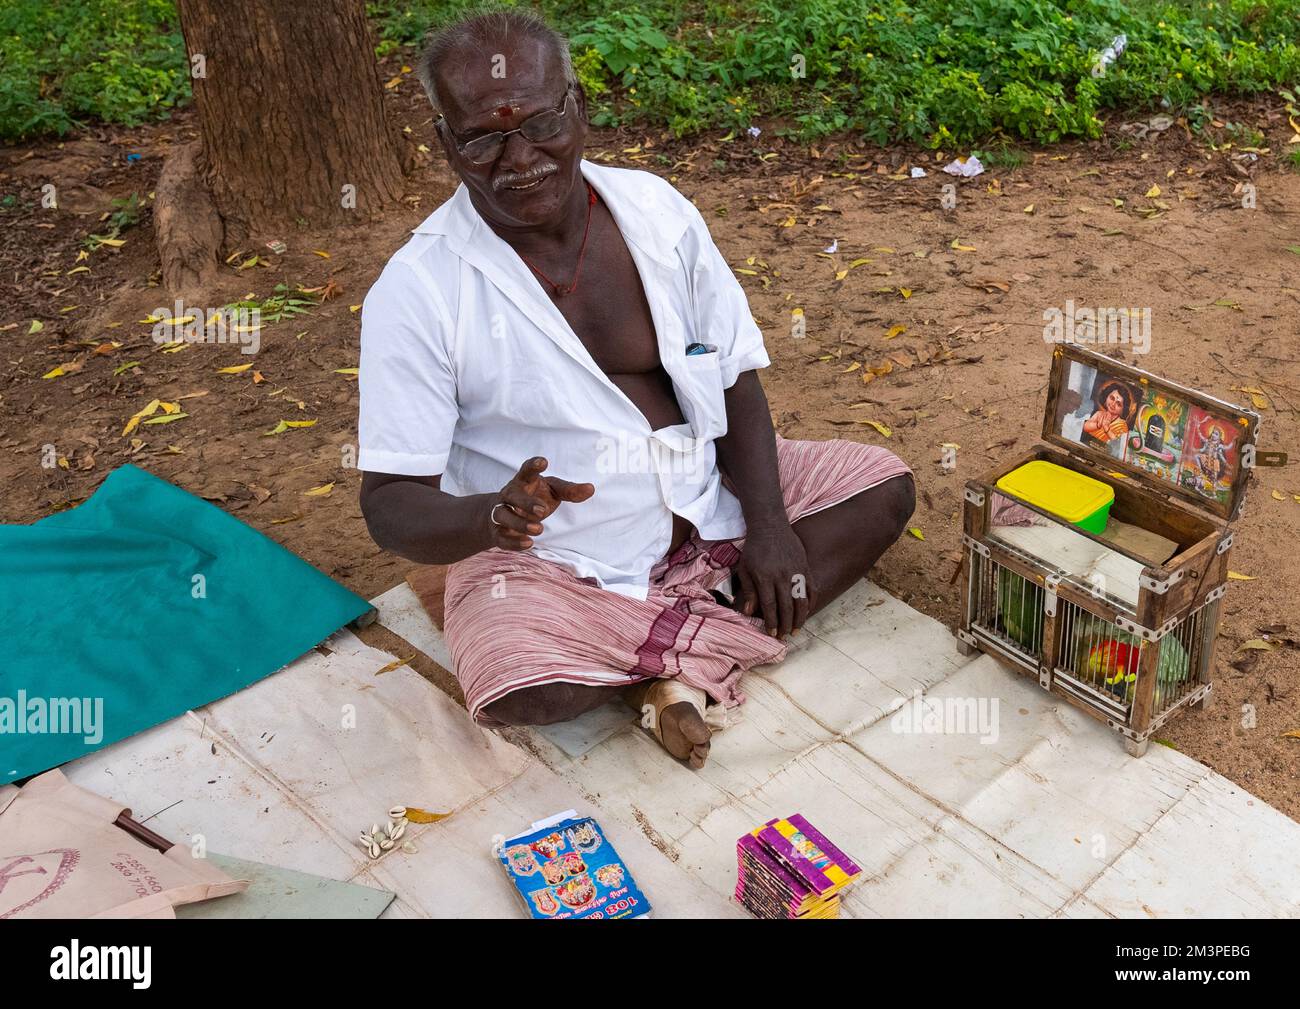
{"x":468,"y":369}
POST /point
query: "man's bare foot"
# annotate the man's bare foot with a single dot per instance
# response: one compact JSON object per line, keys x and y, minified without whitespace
{"x":684,"y":733}
{"x":678,"y":725}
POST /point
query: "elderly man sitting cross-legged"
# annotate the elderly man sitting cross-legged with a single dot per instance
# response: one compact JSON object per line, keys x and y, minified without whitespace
{"x":560,"y":399}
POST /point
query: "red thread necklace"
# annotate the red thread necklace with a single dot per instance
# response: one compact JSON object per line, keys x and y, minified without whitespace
{"x":582,"y":251}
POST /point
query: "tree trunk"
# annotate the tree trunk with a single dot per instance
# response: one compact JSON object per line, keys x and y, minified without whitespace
{"x":291,"y":112}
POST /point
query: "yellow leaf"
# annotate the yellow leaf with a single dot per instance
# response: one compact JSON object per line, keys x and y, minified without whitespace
{"x":956,"y":244}
{"x":77,"y":269}
{"x":856,"y":365}
{"x":860,"y":262}
{"x":796,"y":311}
{"x":55,"y":372}
{"x":879,"y":427}
{"x":322,"y":253}
{"x":840,"y":275}
{"x":63,"y":463}
{"x":1237,"y":576}
{"x":286,"y":425}
{"x":1279,"y":496}
{"x":170,"y":407}
{"x":917,"y":533}
{"x":747,"y":273}
{"x":166,"y":418}
{"x":115,"y":243}
{"x":35,"y":327}
{"x":415,"y":815}
{"x":1293,"y":734}
{"x":173,"y":348}
{"x":322,"y":491}
{"x":354,"y":308}
{"x":895,"y":331}
{"x":234,"y":369}
{"x":906,"y":292}
{"x":148,"y":411}
{"x":1153,"y":192}
{"x":395,"y":664}
{"x":1029,"y":209}
{"x":883,"y":248}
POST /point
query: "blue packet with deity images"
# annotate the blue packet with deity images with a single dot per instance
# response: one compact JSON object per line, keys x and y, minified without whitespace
{"x":565,"y":867}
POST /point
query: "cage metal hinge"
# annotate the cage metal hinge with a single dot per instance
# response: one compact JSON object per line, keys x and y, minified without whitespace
{"x":1049,"y":593}
{"x":975,"y":497}
{"x":1045,"y":677}
{"x":1216,"y":592}
{"x":975,"y":545}
{"x":1146,"y":633}
{"x":1160,"y":585}
{"x":1126,"y":732}
{"x":967,"y":638}
{"x":1224,"y":544}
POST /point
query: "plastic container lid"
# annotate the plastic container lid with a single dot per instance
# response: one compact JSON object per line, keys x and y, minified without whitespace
{"x":1058,"y":490}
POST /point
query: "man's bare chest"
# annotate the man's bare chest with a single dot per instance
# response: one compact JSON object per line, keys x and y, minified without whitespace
{"x":608,"y":312}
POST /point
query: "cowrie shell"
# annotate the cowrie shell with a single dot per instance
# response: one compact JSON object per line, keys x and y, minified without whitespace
{"x":397,"y":812}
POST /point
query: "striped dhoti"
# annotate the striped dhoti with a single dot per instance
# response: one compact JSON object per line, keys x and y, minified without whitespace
{"x":548,"y":626}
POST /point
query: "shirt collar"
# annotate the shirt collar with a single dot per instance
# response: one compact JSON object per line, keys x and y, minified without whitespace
{"x":641,"y":205}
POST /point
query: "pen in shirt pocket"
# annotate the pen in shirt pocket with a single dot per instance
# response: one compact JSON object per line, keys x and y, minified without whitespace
{"x":695,"y":349}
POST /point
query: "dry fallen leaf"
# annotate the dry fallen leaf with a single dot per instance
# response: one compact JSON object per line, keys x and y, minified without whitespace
{"x":134,"y":422}
{"x":883,"y":429}
{"x":322,"y":491}
{"x":417,"y":815}
{"x":1237,"y":576}
{"x":395,"y":664}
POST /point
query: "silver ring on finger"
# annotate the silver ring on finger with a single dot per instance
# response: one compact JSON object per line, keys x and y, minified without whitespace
{"x":493,"y":515}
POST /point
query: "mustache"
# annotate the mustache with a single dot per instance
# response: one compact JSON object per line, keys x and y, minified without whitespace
{"x":532,"y":175}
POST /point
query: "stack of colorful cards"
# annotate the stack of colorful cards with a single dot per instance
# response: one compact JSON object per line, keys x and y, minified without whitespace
{"x":789,"y":870}
{"x":564,"y":867}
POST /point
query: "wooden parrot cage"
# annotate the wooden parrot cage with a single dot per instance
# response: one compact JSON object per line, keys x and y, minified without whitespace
{"x":1123,"y":623}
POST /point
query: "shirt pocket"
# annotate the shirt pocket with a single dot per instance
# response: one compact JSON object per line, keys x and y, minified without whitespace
{"x":700,"y":394}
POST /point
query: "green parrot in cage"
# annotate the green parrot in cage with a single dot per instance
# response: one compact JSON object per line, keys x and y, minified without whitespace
{"x":1020,"y":605}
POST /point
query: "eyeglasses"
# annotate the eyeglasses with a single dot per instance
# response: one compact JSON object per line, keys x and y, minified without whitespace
{"x":535,"y":130}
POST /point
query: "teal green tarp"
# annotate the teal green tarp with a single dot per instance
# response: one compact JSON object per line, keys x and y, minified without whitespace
{"x":136,"y":606}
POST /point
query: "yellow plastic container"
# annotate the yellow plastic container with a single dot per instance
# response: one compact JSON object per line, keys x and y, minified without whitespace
{"x":1079,"y":499}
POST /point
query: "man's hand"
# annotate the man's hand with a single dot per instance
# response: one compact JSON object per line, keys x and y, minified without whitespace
{"x":773,"y":575}
{"x":526,"y":500}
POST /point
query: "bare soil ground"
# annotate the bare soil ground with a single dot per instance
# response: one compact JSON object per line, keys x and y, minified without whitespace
{"x":970,"y":285}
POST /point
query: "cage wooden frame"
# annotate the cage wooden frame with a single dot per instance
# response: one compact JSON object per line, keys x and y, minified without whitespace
{"x":1177,"y":600}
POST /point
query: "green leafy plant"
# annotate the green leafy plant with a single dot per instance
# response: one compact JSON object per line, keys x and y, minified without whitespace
{"x":283,"y":303}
